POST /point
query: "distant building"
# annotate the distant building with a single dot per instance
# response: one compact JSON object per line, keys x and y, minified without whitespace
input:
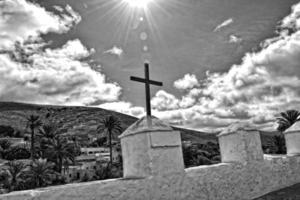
{"x":16,"y":141}
{"x":94,"y":150}
{"x":90,"y":160}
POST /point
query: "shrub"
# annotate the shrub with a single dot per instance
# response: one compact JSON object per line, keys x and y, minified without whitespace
{"x":17,"y":153}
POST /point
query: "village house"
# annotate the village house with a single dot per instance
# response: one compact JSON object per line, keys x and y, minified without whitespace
{"x":90,"y":160}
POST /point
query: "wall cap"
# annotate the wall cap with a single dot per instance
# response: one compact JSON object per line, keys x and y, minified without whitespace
{"x":294,"y":128}
{"x":237,"y":126}
{"x":141,"y":126}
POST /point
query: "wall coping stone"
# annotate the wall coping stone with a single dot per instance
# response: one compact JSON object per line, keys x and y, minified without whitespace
{"x":141,"y":126}
{"x":238,"y":126}
{"x":294,"y":128}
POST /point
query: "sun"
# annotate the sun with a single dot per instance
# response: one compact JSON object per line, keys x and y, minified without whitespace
{"x":138,"y":3}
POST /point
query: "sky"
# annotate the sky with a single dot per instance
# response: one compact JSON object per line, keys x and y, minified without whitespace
{"x":221,"y":61}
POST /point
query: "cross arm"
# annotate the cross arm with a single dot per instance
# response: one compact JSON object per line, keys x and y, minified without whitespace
{"x":133,"y":78}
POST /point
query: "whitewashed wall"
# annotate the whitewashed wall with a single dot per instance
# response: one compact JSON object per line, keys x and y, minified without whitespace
{"x":222,"y":181}
{"x":247,"y":177}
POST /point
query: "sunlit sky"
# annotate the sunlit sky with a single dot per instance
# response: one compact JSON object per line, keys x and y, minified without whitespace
{"x":221,"y":61}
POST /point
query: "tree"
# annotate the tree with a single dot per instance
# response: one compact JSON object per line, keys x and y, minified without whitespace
{"x":199,"y":154}
{"x":17,"y":153}
{"x":276,"y":145}
{"x":40,"y":173}
{"x":49,"y":131}
{"x":4,"y":147}
{"x":6,"y":131}
{"x":110,"y":125}
{"x":14,"y":173}
{"x":33,"y":122}
{"x":287,"y":119}
{"x":60,"y":151}
{"x":5,"y":144}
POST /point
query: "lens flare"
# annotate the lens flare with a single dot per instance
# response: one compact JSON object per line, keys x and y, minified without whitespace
{"x":138,"y":3}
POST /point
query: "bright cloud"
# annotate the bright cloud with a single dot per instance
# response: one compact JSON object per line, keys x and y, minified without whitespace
{"x":31,"y":72}
{"x":55,"y":76}
{"x":265,"y":83}
{"x":224,"y":24}
{"x":187,"y":82}
{"x":20,"y":19}
{"x":124,"y":107}
{"x":164,"y":101}
{"x":115,"y":51}
{"x":235,"y":39}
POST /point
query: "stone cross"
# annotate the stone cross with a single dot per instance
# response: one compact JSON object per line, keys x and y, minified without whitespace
{"x":147,"y":82}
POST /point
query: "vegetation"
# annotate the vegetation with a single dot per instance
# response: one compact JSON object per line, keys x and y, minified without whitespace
{"x":17,"y":153}
{"x":287,"y":119}
{"x":13,"y":176}
{"x":54,"y":151}
{"x":48,"y":145}
{"x":40,"y":173}
{"x":110,"y":125}
{"x":49,"y":131}
{"x":33,"y":123}
{"x":200,"y":154}
{"x":60,"y":152}
{"x":7,"y":131}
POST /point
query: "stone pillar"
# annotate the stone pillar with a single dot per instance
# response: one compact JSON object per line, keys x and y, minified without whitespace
{"x":240,"y":143}
{"x":292,"y":140}
{"x":151,"y":149}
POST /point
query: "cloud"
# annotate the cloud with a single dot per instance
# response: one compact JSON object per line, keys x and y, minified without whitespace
{"x":20,"y":20}
{"x":115,"y":51}
{"x":235,"y":39}
{"x":72,"y":49}
{"x":30,"y":71}
{"x":124,"y":107}
{"x":164,"y":101}
{"x":55,"y":76}
{"x":187,"y":82}
{"x":224,"y":24}
{"x":265,"y":83}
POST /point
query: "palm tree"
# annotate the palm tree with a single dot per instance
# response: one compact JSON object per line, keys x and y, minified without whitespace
{"x":33,"y":122}
{"x":14,"y":173}
{"x":110,"y":125}
{"x":60,"y":151}
{"x":49,"y":131}
{"x":287,"y":119}
{"x":40,"y":173}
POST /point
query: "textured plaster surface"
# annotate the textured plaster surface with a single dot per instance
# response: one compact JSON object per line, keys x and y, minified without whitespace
{"x":152,"y":153}
{"x":290,"y":193}
{"x":216,"y":182}
{"x":242,"y":146}
{"x":151,"y":150}
{"x":292,"y":139}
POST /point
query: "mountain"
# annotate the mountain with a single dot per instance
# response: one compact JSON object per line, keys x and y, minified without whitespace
{"x":76,"y":120}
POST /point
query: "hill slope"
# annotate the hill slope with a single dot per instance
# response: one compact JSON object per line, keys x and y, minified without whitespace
{"x":78,"y":120}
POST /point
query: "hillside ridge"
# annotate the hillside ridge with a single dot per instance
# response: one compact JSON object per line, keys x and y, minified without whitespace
{"x":79,"y":119}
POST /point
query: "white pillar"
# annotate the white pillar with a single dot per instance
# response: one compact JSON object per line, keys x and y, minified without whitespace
{"x":292,"y":140}
{"x":149,"y":151}
{"x":240,"y":143}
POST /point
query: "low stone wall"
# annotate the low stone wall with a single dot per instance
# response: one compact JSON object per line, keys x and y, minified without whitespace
{"x":223,"y":181}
